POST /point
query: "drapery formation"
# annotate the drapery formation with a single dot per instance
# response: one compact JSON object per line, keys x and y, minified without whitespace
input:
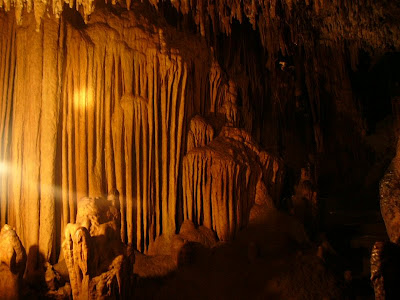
{"x":87,"y":111}
{"x":30,"y":98}
{"x":124,"y":108}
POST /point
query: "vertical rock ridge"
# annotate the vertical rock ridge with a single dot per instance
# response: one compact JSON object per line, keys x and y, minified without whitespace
{"x":107,"y":109}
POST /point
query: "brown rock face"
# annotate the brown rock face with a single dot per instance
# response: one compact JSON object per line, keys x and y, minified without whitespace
{"x":99,"y":265}
{"x":385,"y":257}
{"x":12,"y":264}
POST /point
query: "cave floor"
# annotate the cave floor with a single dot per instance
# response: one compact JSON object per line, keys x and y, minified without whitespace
{"x":352,"y":234}
{"x":270,"y":260}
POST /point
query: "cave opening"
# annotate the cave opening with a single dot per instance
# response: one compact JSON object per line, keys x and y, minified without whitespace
{"x":199,"y":149}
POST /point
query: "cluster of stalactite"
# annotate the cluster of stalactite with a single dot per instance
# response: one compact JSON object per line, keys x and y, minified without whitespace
{"x":300,"y":103}
{"x":281,"y":23}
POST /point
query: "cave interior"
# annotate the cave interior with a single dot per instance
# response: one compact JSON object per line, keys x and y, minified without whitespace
{"x":199,"y":149}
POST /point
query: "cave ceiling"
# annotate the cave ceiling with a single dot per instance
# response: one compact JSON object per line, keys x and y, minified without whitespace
{"x":282,"y":24}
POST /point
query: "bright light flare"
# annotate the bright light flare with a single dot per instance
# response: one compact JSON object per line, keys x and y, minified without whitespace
{"x":83,"y":99}
{"x":4,"y":168}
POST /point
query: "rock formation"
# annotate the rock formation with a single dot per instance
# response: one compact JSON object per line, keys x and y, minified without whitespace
{"x":390,"y":198}
{"x":305,"y":203}
{"x":99,"y":264}
{"x":385,"y":266}
{"x":122,"y":129}
{"x":12,"y":264}
{"x":385,"y":256}
{"x":220,"y":179}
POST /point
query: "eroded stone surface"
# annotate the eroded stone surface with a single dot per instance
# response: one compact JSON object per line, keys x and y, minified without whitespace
{"x":99,"y":265}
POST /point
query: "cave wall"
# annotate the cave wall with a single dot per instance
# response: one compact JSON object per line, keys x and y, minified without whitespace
{"x":88,"y":110}
{"x":30,"y":132}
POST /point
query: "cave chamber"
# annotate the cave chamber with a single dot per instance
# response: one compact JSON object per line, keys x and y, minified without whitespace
{"x":199,"y":149}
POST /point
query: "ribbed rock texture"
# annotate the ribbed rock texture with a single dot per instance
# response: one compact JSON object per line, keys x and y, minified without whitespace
{"x":124,"y":105}
{"x":99,"y":264}
{"x":12,"y":264}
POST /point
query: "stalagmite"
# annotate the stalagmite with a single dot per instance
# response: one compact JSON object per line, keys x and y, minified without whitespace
{"x":99,"y":265}
{"x":12,"y":264}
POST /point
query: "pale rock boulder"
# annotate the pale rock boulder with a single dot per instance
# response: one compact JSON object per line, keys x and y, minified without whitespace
{"x":200,"y":234}
{"x":390,"y":204}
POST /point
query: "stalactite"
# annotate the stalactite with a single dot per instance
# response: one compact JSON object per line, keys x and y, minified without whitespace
{"x":350,"y":20}
{"x":7,"y":71}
